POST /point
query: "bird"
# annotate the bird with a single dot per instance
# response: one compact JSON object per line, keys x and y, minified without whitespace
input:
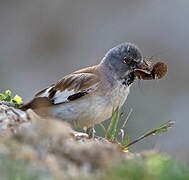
{"x":86,"y":97}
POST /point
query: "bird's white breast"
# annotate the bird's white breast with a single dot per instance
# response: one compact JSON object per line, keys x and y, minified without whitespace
{"x":119,"y":94}
{"x":93,"y":108}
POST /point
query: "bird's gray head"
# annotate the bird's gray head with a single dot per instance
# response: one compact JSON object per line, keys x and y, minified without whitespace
{"x":123,"y":58}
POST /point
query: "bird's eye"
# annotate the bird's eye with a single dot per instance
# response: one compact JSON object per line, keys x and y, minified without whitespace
{"x":127,"y":60}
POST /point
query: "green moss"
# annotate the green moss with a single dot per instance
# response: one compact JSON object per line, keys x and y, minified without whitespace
{"x":152,"y":167}
{"x":20,"y":169}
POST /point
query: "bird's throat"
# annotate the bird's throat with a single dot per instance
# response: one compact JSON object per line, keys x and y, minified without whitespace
{"x":129,"y":79}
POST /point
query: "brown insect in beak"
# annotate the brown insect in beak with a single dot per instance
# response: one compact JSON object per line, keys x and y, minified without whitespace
{"x":159,"y":70}
{"x":149,"y":72}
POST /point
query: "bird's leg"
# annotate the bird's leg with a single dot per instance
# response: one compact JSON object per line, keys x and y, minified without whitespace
{"x":91,"y":132}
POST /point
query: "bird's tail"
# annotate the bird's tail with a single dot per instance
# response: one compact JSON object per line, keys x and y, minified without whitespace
{"x":36,"y":103}
{"x":40,"y":105}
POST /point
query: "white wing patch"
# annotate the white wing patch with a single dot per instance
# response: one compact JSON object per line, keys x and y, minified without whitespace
{"x":57,"y":96}
{"x":62,"y":96}
{"x":46,"y":93}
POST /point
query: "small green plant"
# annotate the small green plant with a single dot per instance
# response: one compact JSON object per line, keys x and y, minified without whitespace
{"x":158,"y":130}
{"x":113,"y":133}
{"x":112,"y":128}
{"x":7,"y":97}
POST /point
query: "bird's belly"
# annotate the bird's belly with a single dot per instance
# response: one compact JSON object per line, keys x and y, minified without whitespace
{"x":90,"y":110}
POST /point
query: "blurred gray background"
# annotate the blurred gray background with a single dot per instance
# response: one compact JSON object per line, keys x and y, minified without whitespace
{"x":43,"y":40}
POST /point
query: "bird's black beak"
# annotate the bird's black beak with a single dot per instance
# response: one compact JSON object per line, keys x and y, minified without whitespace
{"x":139,"y":63}
{"x":144,"y":66}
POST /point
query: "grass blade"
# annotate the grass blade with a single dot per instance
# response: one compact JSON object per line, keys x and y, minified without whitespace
{"x":160,"y":129}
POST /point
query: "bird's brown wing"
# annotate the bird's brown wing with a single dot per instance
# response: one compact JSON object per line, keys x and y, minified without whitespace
{"x":72,"y":86}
